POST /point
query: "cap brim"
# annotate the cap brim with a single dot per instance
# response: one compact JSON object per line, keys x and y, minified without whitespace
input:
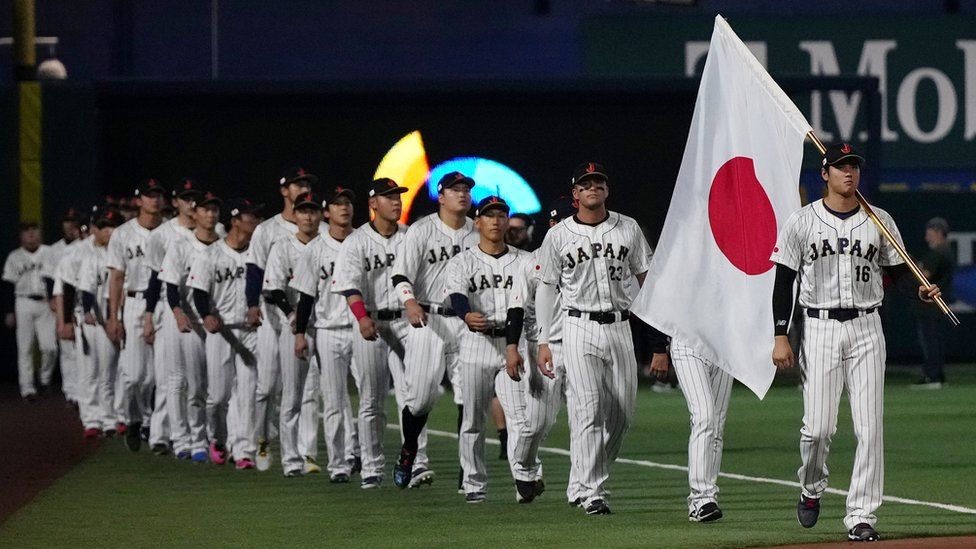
{"x":344,"y":192}
{"x":187,"y":193}
{"x":310,"y":179}
{"x":463,"y":181}
{"x":309,"y":204}
{"x":392,"y":190}
{"x":493,"y":206}
{"x":858,"y":157}
{"x":148,"y":191}
{"x":207,"y":202}
{"x":589,"y":175}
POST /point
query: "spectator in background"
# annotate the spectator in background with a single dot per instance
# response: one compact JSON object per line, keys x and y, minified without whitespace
{"x":938,"y":264}
{"x":519,"y":232}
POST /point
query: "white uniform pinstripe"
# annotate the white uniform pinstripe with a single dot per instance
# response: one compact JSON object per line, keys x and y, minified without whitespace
{"x":67,"y":358}
{"x":431,"y":350}
{"x":99,"y":406}
{"x":33,"y":315}
{"x":591,"y":264}
{"x":220,"y":271}
{"x":364,"y":264}
{"x":187,"y":384}
{"x":488,"y":282}
{"x":332,"y":347}
{"x":707,"y":389}
{"x":839,"y":262}
{"x":127,"y":253}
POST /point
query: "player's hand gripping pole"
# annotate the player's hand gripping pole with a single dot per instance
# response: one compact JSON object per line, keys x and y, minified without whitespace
{"x":891,"y":240}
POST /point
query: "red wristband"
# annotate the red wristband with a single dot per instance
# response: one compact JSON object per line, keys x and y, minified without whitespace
{"x":358,"y":309}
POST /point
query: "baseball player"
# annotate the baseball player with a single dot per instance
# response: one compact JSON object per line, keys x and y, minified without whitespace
{"x":67,"y":306}
{"x":31,"y":316}
{"x":260,"y":313}
{"x":839,"y":254}
{"x":432,"y":340}
{"x":531,"y":404}
{"x":187,"y":381}
{"x":70,"y":229}
{"x":217,"y":277}
{"x":129,"y":280}
{"x":279,"y":269}
{"x":333,"y":334}
{"x":363,"y":275}
{"x":168,"y":419}
{"x":592,"y":257}
{"x":99,"y":356}
{"x":480,"y":283}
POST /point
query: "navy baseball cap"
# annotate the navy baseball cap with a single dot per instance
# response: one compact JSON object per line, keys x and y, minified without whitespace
{"x":297,"y":174}
{"x":309,"y":200}
{"x":236,"y":207}
{"x":206,"y":199}
{"x":187,"y":189}
{"x":70,"y":215}
{"x":454,"y":178}
{"x":385,"y":185}
{"x":107,"y":217}
{"x":491,"y":203}
{"x":588,"y":170}
{"x":562,"y":208}
{"x":840,"y":151}
{"x":148,"y":186}
{"x":333,"y":193}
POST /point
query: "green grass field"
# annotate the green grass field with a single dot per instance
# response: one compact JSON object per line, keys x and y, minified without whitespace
{"x":116,"y":499}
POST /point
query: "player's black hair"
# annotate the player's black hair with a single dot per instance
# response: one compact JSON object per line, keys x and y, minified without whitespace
{"x":27,"y":226}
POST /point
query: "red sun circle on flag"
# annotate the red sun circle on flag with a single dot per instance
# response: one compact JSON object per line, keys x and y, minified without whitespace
{"x":741,"y":216}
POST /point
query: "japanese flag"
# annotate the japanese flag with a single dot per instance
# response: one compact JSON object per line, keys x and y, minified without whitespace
{"x":710,"y":283}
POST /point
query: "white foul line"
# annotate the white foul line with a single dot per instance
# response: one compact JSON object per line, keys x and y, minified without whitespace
{"x":734,"y":476}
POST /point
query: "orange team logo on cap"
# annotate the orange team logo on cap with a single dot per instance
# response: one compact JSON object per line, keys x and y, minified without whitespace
{"x":390,"y":183}
{"x":590,"y":168}
{"x":301,"y":171}
{"x":187,"y":184}
{"x":210,"y":196}
{"x":152,"y":182}
{"x":845,"y":149}
{"x":339,"y":189}
{"x":458,"y":176}
{"x":109,"y":215}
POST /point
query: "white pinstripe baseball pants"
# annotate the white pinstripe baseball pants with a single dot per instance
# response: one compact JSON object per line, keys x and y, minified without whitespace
{"x":333,"y":350}
{"x":269,"y":374}
{"x":166,"y":351}
{"x":707,"y":389}
{"x":431,"y":351}
{"x":836,"y":354}
{"x":482,"y":360}
{"x":187,"y":388}
{"x":601,"y":390}
{"x":294,"y":372}
{"x":232,"y":371}
{"x":98,"y":370}
{"x":136,"y":364}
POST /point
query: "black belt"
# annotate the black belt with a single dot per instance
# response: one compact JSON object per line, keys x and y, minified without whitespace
{"x":34,"y":297}
{"x":842,"y":315}
{"x":494,"y":332}
{"x":388,"y":314}
{"x":608,"y":317}
{"x":438,"y":310}
{"x":132,"y":294}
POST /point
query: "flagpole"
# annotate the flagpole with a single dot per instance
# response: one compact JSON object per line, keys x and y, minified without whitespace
{"x":891,"y":239}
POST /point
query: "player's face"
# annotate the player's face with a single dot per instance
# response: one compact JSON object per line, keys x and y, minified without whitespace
{"x":207,"y":216}
{"x":387,"y":206}
{"x":518,"y":232}
{"x":103,"y":235}
{"x":591,"y":193}
{"x":184,"y":206}
{"x":492,"y":225}
{"x":456,"y":199}
{"x":30,"y":238}
{"x":246,"y":223}
{"x":340,"y":212}
{"x":70,"y":230}
{"x":934,"y":237}
{"x":293,"y":190}
{"x":308,"y":220}
{"x":843,"y":178}
{"x":151,"y":203}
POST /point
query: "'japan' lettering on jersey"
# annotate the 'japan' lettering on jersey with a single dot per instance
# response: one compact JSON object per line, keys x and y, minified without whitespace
{"x":280,"y":268}
{"x":23,"y":270}
{"x":68,"y":267}
{"x":93,"y":278}
{"x":365,"y":264}
{"x":839,"y":260}
{"x":175,"y":270}
{"x":127,"y":253}
{"x":161,"y":239}
{"x":592,"y":264}
{"x":487,"y":281}
{"x":423,"y":256}
{"x":524,"y":296}
{"x":313,"y":276}
{"x":220,"y":271}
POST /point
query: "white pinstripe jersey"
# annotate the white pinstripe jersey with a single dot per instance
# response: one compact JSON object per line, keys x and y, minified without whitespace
{"x":487,"y":281}
{"x":23,"y":270}
{"x":161,"y":239}
{"x":424,"y":254}
{"x":592,"y":264}
{"x":55,"y":252}
{"x":220,"y":271}
{"x":264,"y":237}
{"x":313,"y":276}
{"x":175,"y":270}
{"x":127,"y":253}
{"x":524,"y":297}
{"x":365,"y":263}
{"x":66,"y":271}
{"x":280,"y":269}
{"x":93,"y":278}
{"x":839,"y":260}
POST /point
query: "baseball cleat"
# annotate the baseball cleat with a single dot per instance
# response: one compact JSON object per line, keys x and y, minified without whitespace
{"x":476,"y":497}
{"x":460,"y":489}
{"x":200,"y":456}
{"x":420,"y":477}
{"x":218,"y":454}
{"x":92,"y":432}
{"x":310,"y":467}
{"x":863,"y":532}
{"x":403,"y":470}
{"x":503,"y":444}
{"x":294,"y":473}
{"x":339,"y":478}
{"x":144,"y":433}
{"x":243,"y":464}
{"x":356,"y":463}
{"x":808,"y":511}
{"x":160,"y":449}
{"x":578,"y":502}
{"x":598,"y":507}
{"x":120,"y":427}
{"x":706,"y":513}
{"x":263,"y":458}
{"x":132,"y":440}
{"x":370,"y":483}
{"x":31,"y":398}
{"x":183,"y":455}
{"x":109,"y":433}
{"x":526,"y":491}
